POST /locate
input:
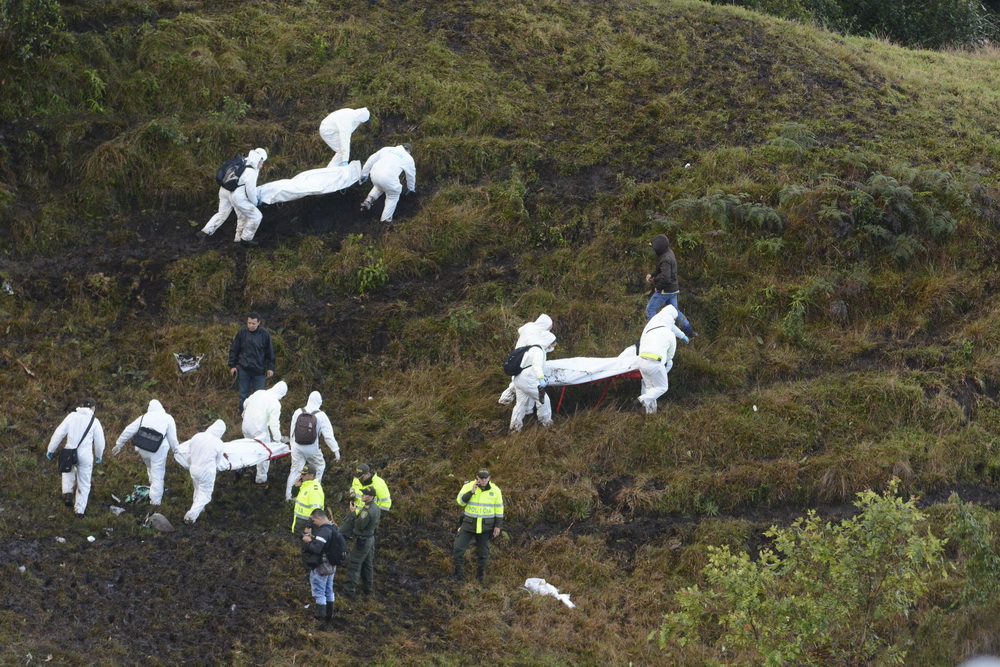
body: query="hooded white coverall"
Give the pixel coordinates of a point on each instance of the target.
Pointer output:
(527, 381)
(526, 335)
(384, 168)
(157, 419)
(205, 453)
(336, 130)
(656, 356)
(243, 199)
(309, 452)
(262, 420)
(90, 448)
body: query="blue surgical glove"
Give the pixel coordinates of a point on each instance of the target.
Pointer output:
(685, 338)
(48, 455)
(99, 459)
(412, 192)
(343, 164)
(543, 383)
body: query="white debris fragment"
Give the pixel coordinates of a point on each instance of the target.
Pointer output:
(117, 510)
(61, 540)
(21, 568)
(540, 587)
(369, 398)
(187, 362)
(91, 538)
(7, 288)
(687, 166)
(755, 408)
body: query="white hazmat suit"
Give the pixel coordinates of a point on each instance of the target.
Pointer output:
(527, 382)
(243, 199)
(385, 167)
(309, 452)
(89, 448)
(157, 419)
(656, 356)
(527, 334)
(336, 130)
(262, 420)
(205, 452)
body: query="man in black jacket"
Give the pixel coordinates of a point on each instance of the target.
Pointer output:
(313, 557)
(664, 283)
(251, 356)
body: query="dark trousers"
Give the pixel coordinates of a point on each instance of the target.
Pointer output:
(361, 565)
(462, 541)
(249, 383)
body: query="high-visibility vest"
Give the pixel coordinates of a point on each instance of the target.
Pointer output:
(382, 497)
(310, 497)
(485, 505)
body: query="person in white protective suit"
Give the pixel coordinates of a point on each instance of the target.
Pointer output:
(385, 167)
(244, 199)
(656, 356)
(529, 382)
(336, 130)
(84, 433)
(157, 419)
(262, 420)
(205, 453)
(527, 333)
(309, 452)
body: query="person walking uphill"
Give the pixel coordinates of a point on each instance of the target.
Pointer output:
(149, 433)
(481, 522)
(385, 166)
(361, 523)
(251, 357)
(664, 283)
(308, 424)
(243, 198)
(205, 453)
(310, 498)
(84, 447)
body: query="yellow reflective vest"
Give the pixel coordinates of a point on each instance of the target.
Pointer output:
(484, 510)
(382, 497)
(310, 497)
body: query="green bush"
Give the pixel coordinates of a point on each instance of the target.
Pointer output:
(28, 27)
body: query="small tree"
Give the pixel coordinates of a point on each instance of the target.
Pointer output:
(827, 594)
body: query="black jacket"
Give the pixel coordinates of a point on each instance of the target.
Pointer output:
(252, 351)
(665, 274)
(312, 552)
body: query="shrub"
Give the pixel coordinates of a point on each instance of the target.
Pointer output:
(27, 27)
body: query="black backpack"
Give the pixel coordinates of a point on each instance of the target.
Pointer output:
(305, 428)
(229, 173)
(336, 548)
(512, 366)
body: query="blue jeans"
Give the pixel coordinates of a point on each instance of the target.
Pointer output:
(322, 587)
(247, 383)
(660, 300)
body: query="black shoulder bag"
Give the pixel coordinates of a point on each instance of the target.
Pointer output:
(147, 438)
(68, 457)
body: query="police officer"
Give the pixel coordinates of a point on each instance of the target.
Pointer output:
(483, 505)
(361, 522)
(363, 476)
(310, 498)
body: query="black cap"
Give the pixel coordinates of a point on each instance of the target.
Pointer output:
(483, 472)
(368, 491)
(308, 469)
(362, 469)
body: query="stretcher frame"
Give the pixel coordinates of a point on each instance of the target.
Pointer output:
(608, 381)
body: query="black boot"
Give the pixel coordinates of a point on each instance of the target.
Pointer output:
(329, 611)
(68, 499)
(481, 574)
(321, 612)
(458, 576)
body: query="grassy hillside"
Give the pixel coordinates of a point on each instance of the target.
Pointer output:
(833, 204)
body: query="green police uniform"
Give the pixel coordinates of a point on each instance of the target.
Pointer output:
(483, 513)
(361, 524)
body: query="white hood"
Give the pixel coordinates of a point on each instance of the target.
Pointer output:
(664, 318)
(314, 402)
(155, 406)
(361, 116)
(218, 429)
(544, 322)
(547, 340)
(255, 156)
(279, 390)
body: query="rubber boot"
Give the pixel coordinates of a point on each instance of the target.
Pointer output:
(458, 576)
(481, 574)
(321, 612)
(329, 611)
(68, 499)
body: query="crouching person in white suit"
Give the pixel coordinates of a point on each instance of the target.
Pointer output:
(336, 130)
(156, 424)
(204, 456)
(262, 420)
(656, 356)
(309, 452)
(530, 380)
(385, 167)
(84, 434)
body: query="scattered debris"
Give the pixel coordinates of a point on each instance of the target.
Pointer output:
(187, 362)
(117, 499)
(21, 568)
(117, 510)
(140, 493)
(61, 540)
(159, 522)
(540, 587)
(26, 369)
(7, 287)
(91, 538)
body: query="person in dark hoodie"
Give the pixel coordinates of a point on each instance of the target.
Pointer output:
(251, 357)
(664, 283)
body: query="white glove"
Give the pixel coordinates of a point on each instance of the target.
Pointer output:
(117, 449)
(336, 455)
(285, 439)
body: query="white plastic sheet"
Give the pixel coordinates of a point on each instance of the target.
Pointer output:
(541, 587)
(309, 183)
(242, 453)
(581, 370)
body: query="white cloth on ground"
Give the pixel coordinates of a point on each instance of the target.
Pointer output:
(309, 183)
(541, 587)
